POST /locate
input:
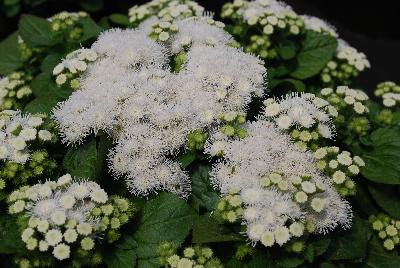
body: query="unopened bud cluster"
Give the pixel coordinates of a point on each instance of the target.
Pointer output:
(163, 30)
(351, 105)
(388, 229)
(261, 45)
(346, 65)
(196, 140)
(72, 66)
(270, 17)
(67, 25)
(67, 217)
(192, 257)
(230, 207)
(389, 92)
(14, 91)
(340, 167)
(165, 9)
(233, 124)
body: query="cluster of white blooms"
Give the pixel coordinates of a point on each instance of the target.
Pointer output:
(318, 25)
(352, 56)
(13, 90)
(72, 66)
(131, 93)
(281, 189)
(348, 62)
(68, 23)
(165, 9)
(390, 93)
(60, 214)
(17, 131)
(346, 98)
(340, 167)
(301, 111)
(271, 15)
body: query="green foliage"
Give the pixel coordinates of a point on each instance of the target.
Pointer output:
(317, 50)
(87, 160)
(36, 31)
(382, 156)
(10, 59)
(164, 218)
(202, 192)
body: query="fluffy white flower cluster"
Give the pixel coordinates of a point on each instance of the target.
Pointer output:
(278, 184)
(346, 98)
(301, 111)
(13, 89)
(131, 93)
(17, 131)
(59, 214)
(352, 56)
(165, 9)
(318, 25)
(271, 15)
(390, 93)
(340, 167)
(74, 64)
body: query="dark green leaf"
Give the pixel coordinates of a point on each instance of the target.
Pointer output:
(10, 236)
(318, 49)
(87, 160)
(92, 5)
(50, 62)
(90, 29)
(316, 247)
(164, 218)
(382, 161)
(202, 191)
(36, 31)
(287, 50)
(187, 158)
(288, 84)
(290, 261)
(10, 59)
(41, 105)
(207, 230)
(350, 244)
(387, 197)
(120, 19)
(123, 254)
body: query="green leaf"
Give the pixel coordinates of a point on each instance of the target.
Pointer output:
(316, 247)
(88, 159)
(287, 50)
(350, 244)
(207, 230)
(387, 197)
(10, 59)
(123, 254)
(187, 158)
(378, 257)
(92, 5)
(90, 29)
(36, 31)
(50, 62)
(382, 161)
(164, 218)
(202, 191)
(41, 105)
(289, 261)
(10, 236)
(288, 84)
(119, 19)
(318, 49)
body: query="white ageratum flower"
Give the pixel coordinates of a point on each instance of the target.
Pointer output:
(352, 56)
(297, 191)
(161, 106)
(61, 251)
(99, 196)
(53, 237)
(70, 236)
(84, 228)
(301, 111)
(58, 217)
